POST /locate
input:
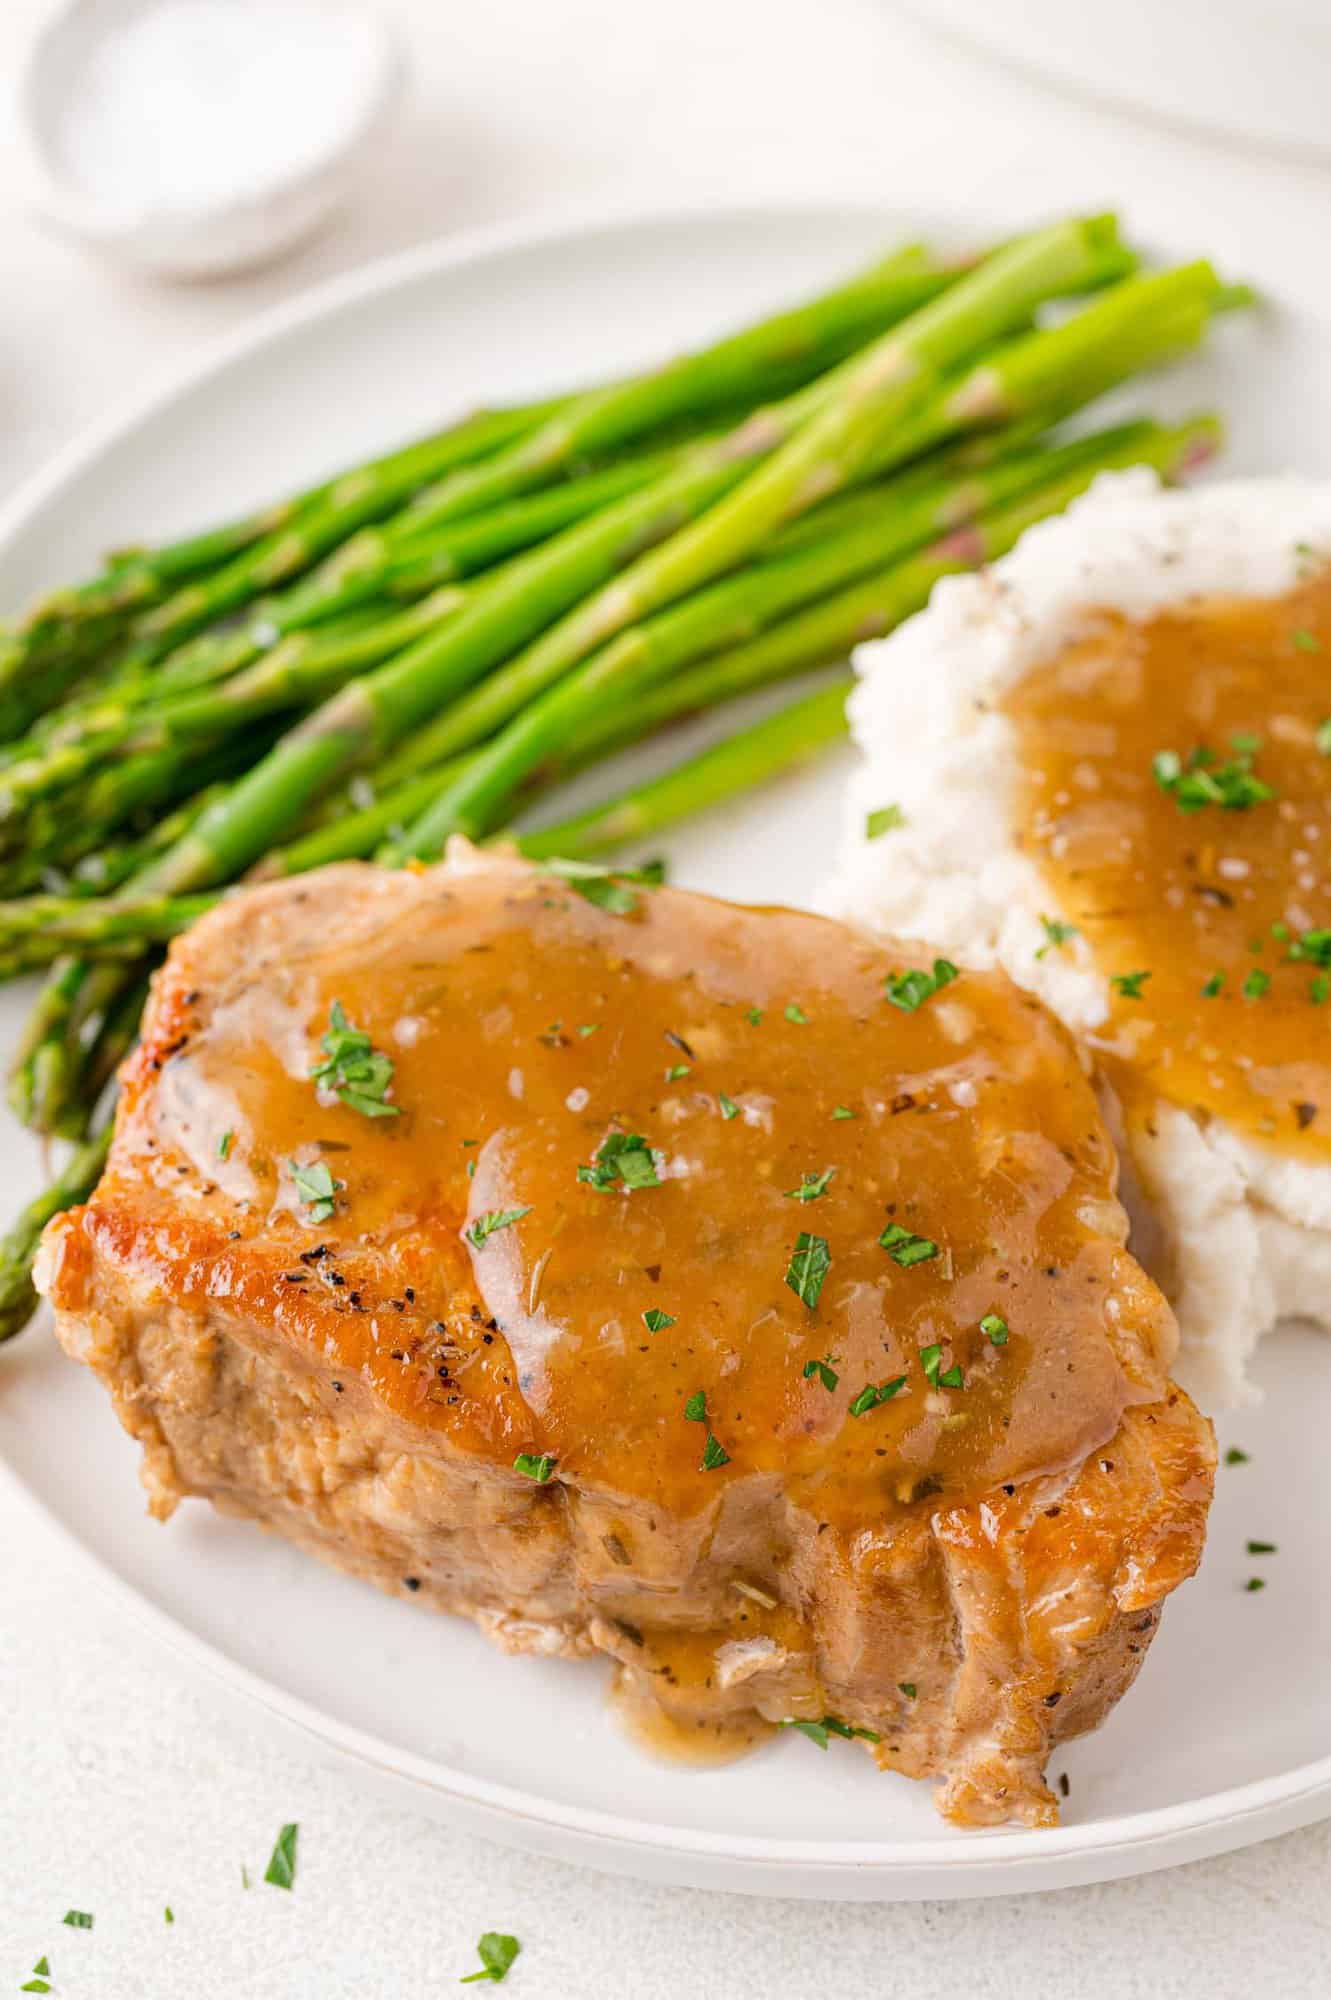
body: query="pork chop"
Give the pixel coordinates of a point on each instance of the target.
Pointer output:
(712, 1288)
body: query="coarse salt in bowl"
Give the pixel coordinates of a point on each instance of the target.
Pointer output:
(194, 137)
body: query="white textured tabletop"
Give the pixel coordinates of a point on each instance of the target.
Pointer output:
(124, 1788)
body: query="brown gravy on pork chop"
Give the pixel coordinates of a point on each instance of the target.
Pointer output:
(1176, 793)
(707, 1287)
(732, 1252)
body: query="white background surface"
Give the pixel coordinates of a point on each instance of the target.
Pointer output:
(122, 1786)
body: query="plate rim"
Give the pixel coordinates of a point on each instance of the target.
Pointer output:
(981, 1862)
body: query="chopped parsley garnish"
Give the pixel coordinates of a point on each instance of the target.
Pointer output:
(586, 1028)
(496, 1952)
(656, 1321)
(1256, 984)
(909, 990)
(1324, 737)
(1311, 947)
(479, 1232)
(830, 1725)
(78, 1920)
(43, 1967)
(1213, 986)
(729, 1108)
(794, 1012)
(224, 1145)
(281, 1869)
(354, 1069)
(843, 1111)
(909, 1689)
(1255, 1583)
(883, 821)
(676, 1071)
(1236, 1457)
(537, 1465)
(995, 1329)
(938, 1377)
(36, 1985)
(809, 1265)
(1202, 782)
(1318, 989)
(1261, 1548)
(608, 888)
(812, 1186)
(623, 1161)
(714, 1455)
(696, 1407)
(824, 1371)
(874, 1393)
(168, 1915)
(317, 1189)
(1056, 935)
(905, 1248)
(754, 1016)
(1129, 984)
(1305, 641)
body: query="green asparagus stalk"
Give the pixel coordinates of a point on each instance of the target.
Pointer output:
(644, 693)
(76, 1181)
(478, 796)
(792, 736)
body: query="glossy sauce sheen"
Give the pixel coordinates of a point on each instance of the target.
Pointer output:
(974, 1126)
(1187, 895)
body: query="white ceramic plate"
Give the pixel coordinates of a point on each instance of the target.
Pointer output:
(1225, 1740)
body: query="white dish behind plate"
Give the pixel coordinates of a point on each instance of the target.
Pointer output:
(1226, 1739)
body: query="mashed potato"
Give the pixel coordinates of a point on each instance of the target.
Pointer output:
(1239, 1231)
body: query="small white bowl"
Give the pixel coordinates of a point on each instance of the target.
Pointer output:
(119, 101)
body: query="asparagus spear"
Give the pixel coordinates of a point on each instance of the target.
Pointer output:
(791, 736)
(76, 1181)
(475, 799)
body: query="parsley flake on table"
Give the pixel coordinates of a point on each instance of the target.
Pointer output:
(905, 1248)
(810, 1262)
(714, 1455)
(657, 1321)
(1261, 1548)
(909, 990)
(281, 1869)
(316, 1188)
(1056, 935)
(496, 1952)
(874, 1393)
(622, 1161)
(1234, 1456)
(479, 1232)
(1129, 984)
(995, 1329)
(1255, 1583)
(824, 1371)
(882, 821)
(537, 1465)
(1202, 782)
(812, 1186)
(353, 1069)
